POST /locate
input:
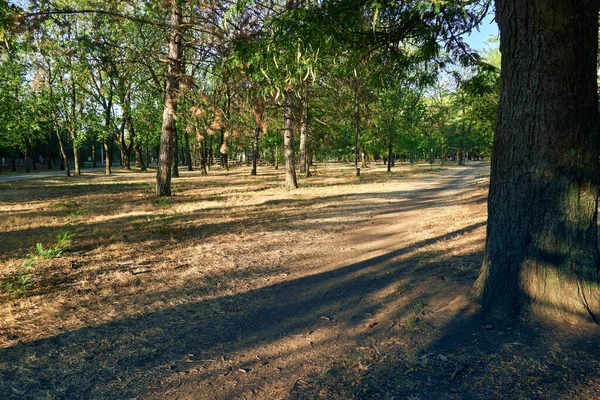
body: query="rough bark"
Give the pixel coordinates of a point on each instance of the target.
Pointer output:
(541, 250)
(288, 141)
(175, 172)
(168, 129)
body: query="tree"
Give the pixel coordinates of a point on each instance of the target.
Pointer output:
(168, 130)
(541, 249)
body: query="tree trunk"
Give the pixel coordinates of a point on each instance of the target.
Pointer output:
(390, 154)
(363, 156)
(541, 250)
(304, 125)
(255, 150)
(188, 153)
(209, 151)
(168, 129)
(356, 129)
(107, 156)
(176, 153)
(93, 148)
(288, 142)
(61, 145)
(139, 158)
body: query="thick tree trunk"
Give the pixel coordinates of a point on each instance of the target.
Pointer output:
(139, 158)
(288, 141)
(168, 130)
(541, 249)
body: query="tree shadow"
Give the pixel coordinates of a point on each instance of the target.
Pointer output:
(124, 358)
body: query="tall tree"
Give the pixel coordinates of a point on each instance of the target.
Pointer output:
(542, 243)
(168, 130)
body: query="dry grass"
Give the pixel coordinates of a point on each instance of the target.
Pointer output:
(236, 285)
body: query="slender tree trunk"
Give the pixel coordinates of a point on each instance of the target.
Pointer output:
(188, 153)
(541, 249)
(168, 130)
(288, 142)
(356, 128)
(176, 153)
(209, 151)
(13, 164)
(201, 142)
(304, 125)
(390, 152)
(255, 150)
(93, 151)
(107, 156)
(363, 156)
(61, 145)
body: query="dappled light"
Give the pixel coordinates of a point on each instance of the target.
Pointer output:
(232, 307)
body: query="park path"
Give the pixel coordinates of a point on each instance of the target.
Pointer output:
(40, 175)
(265, 343)
(338, 298)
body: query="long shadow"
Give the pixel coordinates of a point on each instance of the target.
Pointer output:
(478, 357)
(138, 229)
(124, 358)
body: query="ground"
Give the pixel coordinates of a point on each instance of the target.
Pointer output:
(238, 288)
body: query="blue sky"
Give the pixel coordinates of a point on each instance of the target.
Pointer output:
(478, 39)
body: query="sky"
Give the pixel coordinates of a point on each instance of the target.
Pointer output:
(478, 39)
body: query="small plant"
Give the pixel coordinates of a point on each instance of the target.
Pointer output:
(418, 308)
(78, 213)
(63, 242)
(402, 287)
(411, 322)
(60, 204)
(19, 283)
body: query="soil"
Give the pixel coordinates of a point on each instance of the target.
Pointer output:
(235, 288)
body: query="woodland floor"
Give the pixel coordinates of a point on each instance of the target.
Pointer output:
(237, 288)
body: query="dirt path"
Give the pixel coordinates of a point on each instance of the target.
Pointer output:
(350, 295)
(40, 175)
(342, 298)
